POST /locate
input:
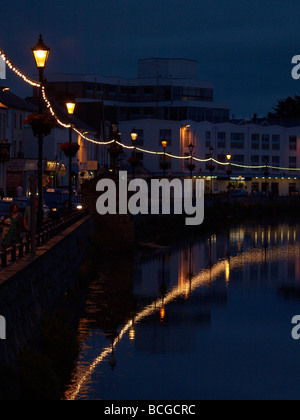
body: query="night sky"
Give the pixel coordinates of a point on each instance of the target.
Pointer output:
(245, 47)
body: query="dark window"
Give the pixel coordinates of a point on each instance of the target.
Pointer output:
(265, 142)
(276, 142)
(237, 140)
(293, 142)
(255, 141)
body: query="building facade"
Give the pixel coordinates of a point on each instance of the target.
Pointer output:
(250, 144)
(13, 110)
(165, 89)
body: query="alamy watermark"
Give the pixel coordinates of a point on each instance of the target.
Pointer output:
(158, 196)
(296, 68)
(2, 328)
(296, 329)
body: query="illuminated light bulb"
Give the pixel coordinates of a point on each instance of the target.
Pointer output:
(70, 107)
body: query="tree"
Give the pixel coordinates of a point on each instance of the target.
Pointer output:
(288, 108)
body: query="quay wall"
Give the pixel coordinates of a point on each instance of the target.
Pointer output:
(32, 288)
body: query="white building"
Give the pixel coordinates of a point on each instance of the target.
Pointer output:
(12, 113)
(254, 143)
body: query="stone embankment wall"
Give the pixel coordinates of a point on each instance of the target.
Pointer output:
(33, 287)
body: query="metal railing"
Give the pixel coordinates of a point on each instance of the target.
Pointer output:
(15, 253)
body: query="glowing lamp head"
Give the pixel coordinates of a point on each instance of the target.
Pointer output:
(41, 53)
(229, 157)
(164, 143)
(70, 107)
(134, 135)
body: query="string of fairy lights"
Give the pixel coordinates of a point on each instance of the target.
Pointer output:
(36, 84)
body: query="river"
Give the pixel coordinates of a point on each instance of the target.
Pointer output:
(207, 320)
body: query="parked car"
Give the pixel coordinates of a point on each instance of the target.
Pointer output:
(56, 199)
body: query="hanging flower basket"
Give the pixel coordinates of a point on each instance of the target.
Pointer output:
(40, 123)
(229, 172)
(211, 168)
(69, 149)
(115, 150)
(4, 153)
(164, 165)
(191, 167)
(134, 162)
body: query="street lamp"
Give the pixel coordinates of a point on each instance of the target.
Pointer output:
(41, 54)
(134, 136)
(71, 108)
(229, 171)
(211, 168)
(164, 144)
(191, 164)
(266, 174)
(115, 149)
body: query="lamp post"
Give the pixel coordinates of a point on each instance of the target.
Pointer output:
(41, 54)
(134, 136)
(191, 165)
(211, 168)
(229, 171)
(266, 174)
(115, 149)
(164, 144)
(71, 108)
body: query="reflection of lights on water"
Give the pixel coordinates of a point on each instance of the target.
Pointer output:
(227, 272)
(205, 277)
(162, 313)
(132, 334)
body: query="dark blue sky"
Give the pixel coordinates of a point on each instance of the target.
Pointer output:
(245, 47)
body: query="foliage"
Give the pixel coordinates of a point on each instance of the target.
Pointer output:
(134, 161)
(70, 149)
(46, 119)
(288, 108)
(115, 150)
(164, 165)
(191, 167)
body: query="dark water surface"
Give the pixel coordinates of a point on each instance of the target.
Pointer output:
(211, 320)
